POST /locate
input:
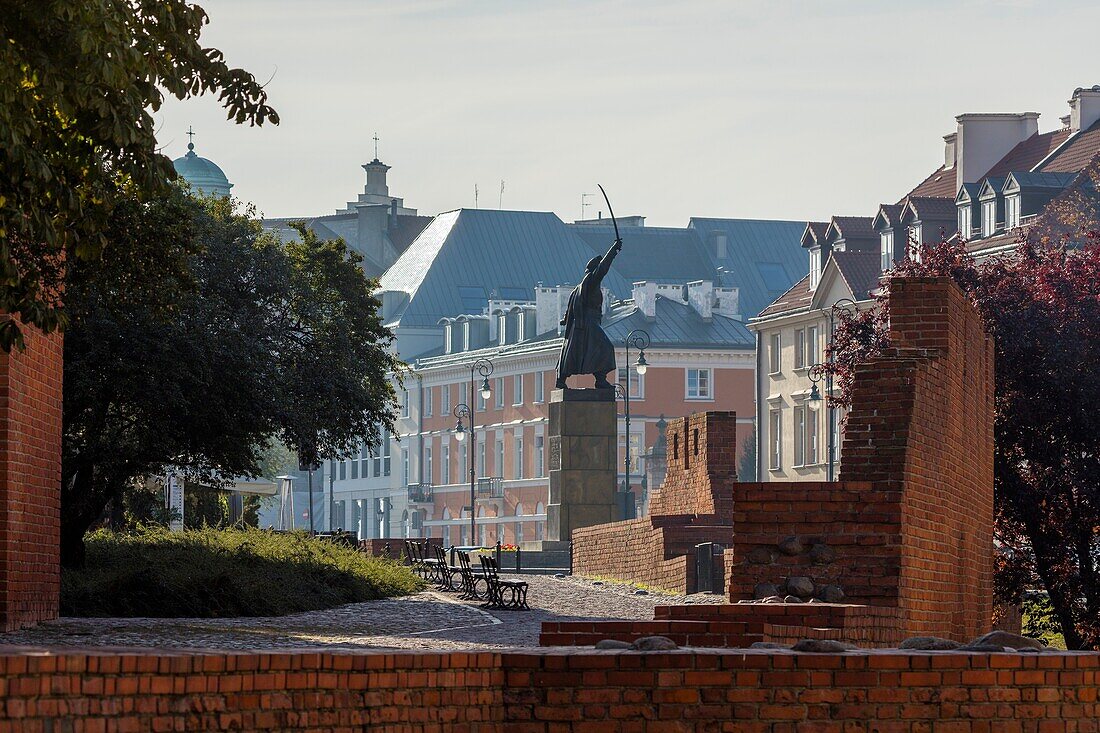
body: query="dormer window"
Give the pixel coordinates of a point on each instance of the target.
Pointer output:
(965, 221)
(815, 267)
(886, 244)
(1012, 211)
(915, 240)
(502, 329)
(989, 217)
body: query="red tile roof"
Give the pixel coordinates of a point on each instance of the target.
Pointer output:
(854, 226)
(799, 296)
(891, 213)
(932, 208)
(1028, 153)
(1077, 153)
(940, 184)
(861, 270)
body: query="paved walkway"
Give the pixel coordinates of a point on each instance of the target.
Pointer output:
(429, 620)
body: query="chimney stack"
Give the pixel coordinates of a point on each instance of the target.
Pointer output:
(983, 139)
(701, 297)
(1084, 108)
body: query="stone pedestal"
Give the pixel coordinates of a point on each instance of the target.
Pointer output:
(583, 458)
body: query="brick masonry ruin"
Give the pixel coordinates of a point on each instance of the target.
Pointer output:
(30, 481)
(904, 539)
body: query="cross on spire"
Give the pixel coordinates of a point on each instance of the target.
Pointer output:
(190, 138)
(376, 146)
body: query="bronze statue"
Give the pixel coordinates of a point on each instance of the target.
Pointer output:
(587, 350)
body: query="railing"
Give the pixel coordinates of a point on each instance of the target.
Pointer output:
(420, 493)
(490, 488)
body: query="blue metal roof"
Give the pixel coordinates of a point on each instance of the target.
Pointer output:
(678, 324)
(656, 254)
(464, 256)
(763, 258)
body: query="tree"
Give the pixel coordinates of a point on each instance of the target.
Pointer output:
(79, 82)
(1042, 307)
(207, 371)
(746, 470)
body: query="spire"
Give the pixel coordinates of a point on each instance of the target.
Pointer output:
(376, 145)
(190, 140)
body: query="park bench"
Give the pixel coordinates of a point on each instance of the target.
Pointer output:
(503, 593)
(471, 578)
(446, 573)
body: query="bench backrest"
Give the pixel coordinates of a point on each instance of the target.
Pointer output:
(490, 566)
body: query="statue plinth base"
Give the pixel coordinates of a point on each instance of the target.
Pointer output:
(583, 458)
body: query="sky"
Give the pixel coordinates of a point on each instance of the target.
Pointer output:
(762, 110)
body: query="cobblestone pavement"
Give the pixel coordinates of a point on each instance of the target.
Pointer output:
(428, 620)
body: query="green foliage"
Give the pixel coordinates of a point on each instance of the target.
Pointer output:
(746, 468)
(1041, 622)
(79, 83)
(255, 343)
(224, 573)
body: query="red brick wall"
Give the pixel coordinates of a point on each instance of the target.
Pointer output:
(30, 481)
(549, 691)
(922, 423)
(858, 524)
(702, 466)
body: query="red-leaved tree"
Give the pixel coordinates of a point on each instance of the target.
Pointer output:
(1041, 304)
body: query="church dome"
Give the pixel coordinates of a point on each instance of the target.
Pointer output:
(203, 174)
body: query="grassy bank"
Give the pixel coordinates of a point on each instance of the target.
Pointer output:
(221, 573)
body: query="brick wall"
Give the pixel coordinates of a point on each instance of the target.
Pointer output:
(548, 691)
(693, 506)
(30, 481)
(922, 424)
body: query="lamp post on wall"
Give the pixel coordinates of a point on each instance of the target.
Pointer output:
(484, 367)
(639, 339)
(821, 372)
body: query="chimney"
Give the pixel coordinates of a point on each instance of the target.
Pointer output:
(949, 150)
(701, 297)
(393, 214)
(727, 302)
(645, 298)
(1084, 108)
(376, 178)
(983, 139)
(550, 304)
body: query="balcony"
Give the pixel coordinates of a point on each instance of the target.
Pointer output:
(490, 488)
(420, 493)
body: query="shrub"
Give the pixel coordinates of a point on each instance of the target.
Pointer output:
(212, 573)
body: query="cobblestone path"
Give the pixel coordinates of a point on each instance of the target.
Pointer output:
(428, 620)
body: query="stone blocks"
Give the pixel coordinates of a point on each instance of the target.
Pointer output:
(583, 456)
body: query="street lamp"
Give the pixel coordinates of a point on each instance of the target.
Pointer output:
(822, 372)
(484, 367)
(639, 339)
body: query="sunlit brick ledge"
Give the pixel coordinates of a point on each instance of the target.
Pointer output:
(548, 690)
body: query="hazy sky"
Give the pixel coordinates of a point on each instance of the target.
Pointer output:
(735, 109)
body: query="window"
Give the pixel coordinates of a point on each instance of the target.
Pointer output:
(405, 404)
(502, 329)
(799, 436)
(343, 470)
(635, 451)
(1012, 211)
(445, 465)
(463, 464)
(800, 348)
(812, 454)
(886, 243)
(774, 276)
(426, 474)
(498, 458)
(517, 389)
(989, 218)
(815, 267)
(354, 468)
(811, 346)
(364, 457)
(472, 297)
(836, 435)
(775, 439)
(480, 400)
(445, 400)
(540, 387)
(405, 466)
(965, 221)
(481, 457)
(774, 362)
(428, 394)
(385, 453)
(698, 384)
(540, 458)
(517, 451)
(915, 238)
(499, 390)
(509, 293)
(637, 386)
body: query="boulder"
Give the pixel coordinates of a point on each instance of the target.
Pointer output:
(928, 643)
(764, 590)
(613, 644)
(827, 646)
(1004, 638)
(760, 556)
(641, 592)
(972, 647)
(832, 594)
(799, 585)
(790, 546)
(773, 599)
(768, 645)
(654, 644)
(822, 554)
(792, 599)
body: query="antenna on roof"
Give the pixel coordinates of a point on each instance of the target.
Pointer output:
(475, 195)
(500, 201)
(584, 203)
(376, 145)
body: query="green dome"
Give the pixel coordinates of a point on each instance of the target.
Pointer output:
(204, 175)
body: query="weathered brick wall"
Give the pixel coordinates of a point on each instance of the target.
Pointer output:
(693, 506)
(547, 691)
(848, 536)
(922, 423)
(30, 481)
(702, 466)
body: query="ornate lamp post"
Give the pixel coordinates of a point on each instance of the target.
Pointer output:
(819, 372)
(639, 339)
(484, 367)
